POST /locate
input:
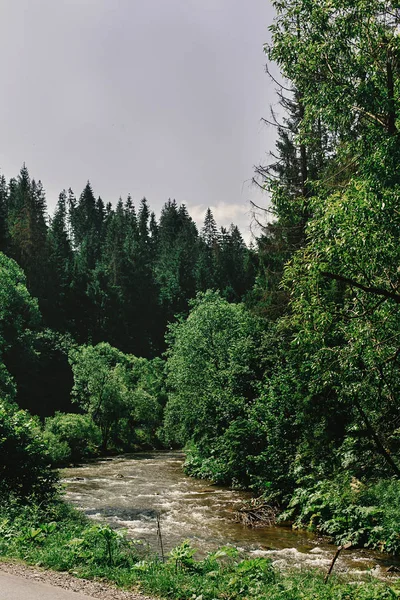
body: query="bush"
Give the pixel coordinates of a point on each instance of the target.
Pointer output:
(60, 537)
(71, 437)
(348, 511)
(24, 461)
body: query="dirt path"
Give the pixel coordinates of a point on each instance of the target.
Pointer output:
(21, 582)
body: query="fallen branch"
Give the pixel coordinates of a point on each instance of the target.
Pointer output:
(256, 514)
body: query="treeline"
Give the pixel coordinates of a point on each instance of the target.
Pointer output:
(117, 274)
(107, 274)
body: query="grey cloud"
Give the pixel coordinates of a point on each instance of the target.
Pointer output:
(161, 98)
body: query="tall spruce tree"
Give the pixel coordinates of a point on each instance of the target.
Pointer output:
(289, 177)
(4, 235)
(28, 233)
(60, 264)
(208, 246)
(174, 268)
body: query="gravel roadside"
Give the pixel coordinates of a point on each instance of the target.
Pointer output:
(95, 589)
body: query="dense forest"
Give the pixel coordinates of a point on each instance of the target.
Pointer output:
(276, 367)
(103, 274)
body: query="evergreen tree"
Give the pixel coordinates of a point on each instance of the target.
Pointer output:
(289, 177)
(209, 231)
(175, 265)
(86, 228)
(28, 232)
(143, 223)
(234, 265)
(60, 261)
(4, 236)
(113, 252)
(141, 293)
(208, 246)
(85, 232)
(105, 274)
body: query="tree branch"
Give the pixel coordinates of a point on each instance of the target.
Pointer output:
(369, 115)
(278, 83)
(276, 124)
(368, 289)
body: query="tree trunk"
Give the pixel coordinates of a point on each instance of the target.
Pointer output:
(391, 118)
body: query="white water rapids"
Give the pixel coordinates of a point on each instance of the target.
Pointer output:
(129, 491)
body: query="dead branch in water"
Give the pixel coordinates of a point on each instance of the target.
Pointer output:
(256, 514)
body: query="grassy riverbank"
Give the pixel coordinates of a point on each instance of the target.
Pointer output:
(62, 539)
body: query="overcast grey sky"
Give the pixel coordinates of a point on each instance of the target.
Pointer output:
(157, 98)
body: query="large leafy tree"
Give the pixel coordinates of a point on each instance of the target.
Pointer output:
(212, 368)
(101, 384)
(120, 392)
(19, 316)
(342, 57)
(345, 300)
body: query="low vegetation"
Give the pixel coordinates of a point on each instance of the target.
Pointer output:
(347, 510)
(60, 538)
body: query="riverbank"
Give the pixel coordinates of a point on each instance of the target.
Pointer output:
(131, 491)
(63, 540)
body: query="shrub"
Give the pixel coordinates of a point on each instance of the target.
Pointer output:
(349, 511)
(71, 437)
(24, 460)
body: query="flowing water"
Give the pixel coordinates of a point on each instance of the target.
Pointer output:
(130, 491)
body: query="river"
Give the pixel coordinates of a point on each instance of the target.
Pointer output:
(129, 491)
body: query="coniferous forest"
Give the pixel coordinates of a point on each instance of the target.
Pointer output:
(104, 274)
(276, 367)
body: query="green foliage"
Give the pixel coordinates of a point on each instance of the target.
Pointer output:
(59, 537)
(284, 406)
(176, 256)
(104, 273)
(24, 461)
(348, 511)
(183, 557)
(101, 384)
(342, 57)
(19, 315)
(212, 369)
(71, 437)
(27, 227)
(328, 400)
(122, 394)
(18, 310)
(139, 428)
